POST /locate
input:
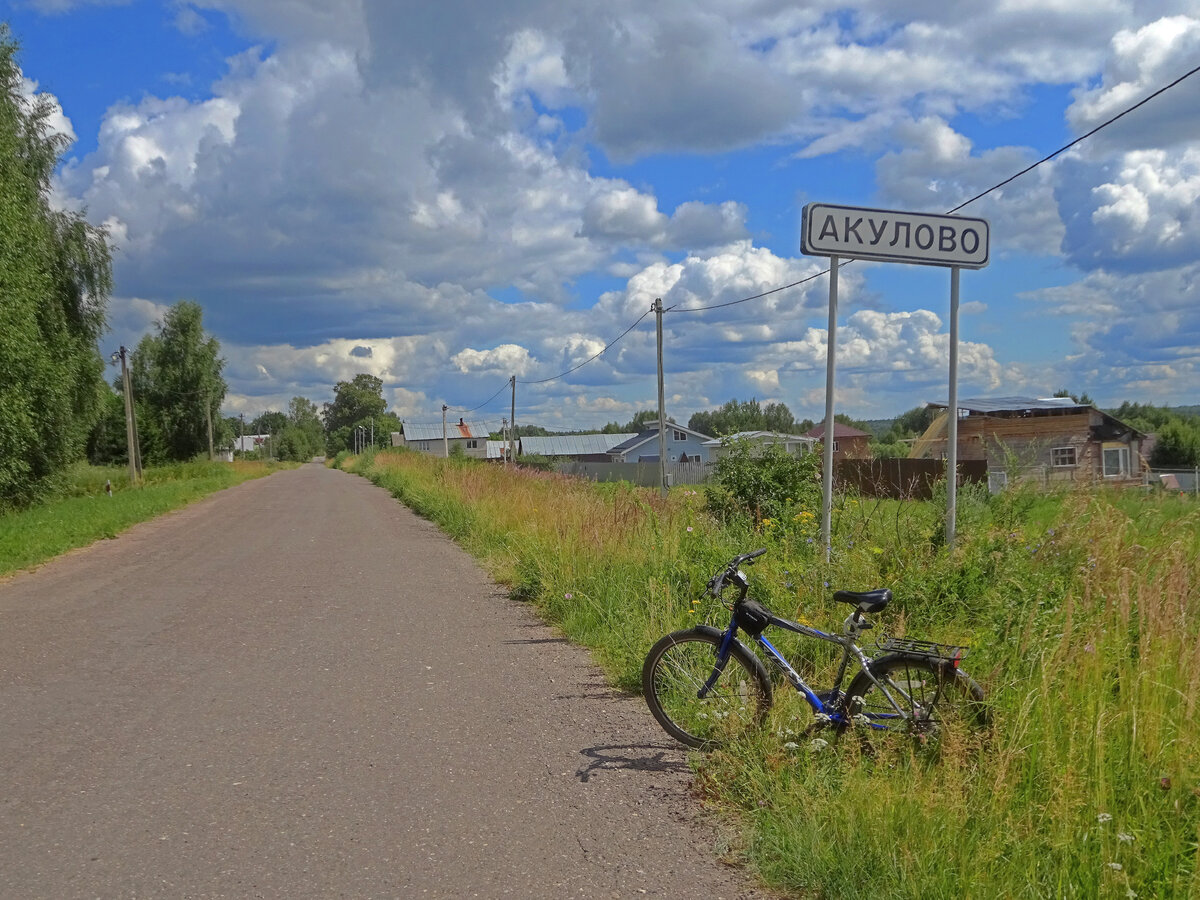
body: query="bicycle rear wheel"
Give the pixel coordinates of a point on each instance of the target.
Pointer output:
(675, 672)
(935, 696)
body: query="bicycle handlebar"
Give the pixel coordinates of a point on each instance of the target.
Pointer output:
(716, 584)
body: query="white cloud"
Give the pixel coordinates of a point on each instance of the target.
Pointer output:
(507, 359)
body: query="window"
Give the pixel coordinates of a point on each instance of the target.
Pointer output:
(678, 435)
(1116, 461)
(1062, 456)
(835, 447)
(471, 445)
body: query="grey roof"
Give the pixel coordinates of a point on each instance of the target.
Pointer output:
(426, 431)
(634, 441)
(1014, 404)
(759, 436)
(572, 444)
(495, 449)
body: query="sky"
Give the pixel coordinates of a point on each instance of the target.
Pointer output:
(446, 195)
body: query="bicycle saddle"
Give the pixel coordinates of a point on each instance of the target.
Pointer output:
(866, 601)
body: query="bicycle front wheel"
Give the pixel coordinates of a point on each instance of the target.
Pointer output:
(674, 676)
(932, 695)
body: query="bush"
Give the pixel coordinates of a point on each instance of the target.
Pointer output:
(762, 482)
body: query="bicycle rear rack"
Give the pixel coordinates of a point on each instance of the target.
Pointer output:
(916, 647)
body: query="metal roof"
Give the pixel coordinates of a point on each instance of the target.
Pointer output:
(572, 444)
(1014, 404)
(425, 431)
(759, 436)
(495, 449)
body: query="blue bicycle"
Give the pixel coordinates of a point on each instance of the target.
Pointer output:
(706, 687)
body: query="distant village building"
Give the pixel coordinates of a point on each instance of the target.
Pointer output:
(792, 444)
(683, 445)
(1055, 438)
(470, 437)
(848, 443)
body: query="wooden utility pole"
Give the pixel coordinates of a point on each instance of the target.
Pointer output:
(662, 408)
(130, 440)
(513, 437)
(445, 440)
(208, 421)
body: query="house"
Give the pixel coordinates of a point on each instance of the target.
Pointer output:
(1055, 439)
(471, 437)
(793, 444)
(577, 447)
(848, 443)
(683, 445)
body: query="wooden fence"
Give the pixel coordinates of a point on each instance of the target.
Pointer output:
(909, 479)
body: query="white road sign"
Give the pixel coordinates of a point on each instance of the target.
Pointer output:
(854, 232)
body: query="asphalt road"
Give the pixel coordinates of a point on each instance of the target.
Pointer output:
(297, 688)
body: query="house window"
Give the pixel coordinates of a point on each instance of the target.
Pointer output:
(1062, 456)
(471, 445)
(835, 447)
(678, 435)
(1116, 461)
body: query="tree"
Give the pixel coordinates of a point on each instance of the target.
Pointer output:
(55, 279)
(355, 402)
(1178, 445)
(744, 415)
(1082, 399)
(178, 386)
(270, 422)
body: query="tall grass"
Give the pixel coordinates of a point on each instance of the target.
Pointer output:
(1086, 631)
(83, 512)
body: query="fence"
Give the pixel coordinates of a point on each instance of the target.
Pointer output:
(643, 474)
(908, 479)
(899, 478)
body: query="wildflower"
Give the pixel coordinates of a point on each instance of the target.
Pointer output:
(1124, 837)
(818, 744)
(1115, 866)
(568, 596)
(689, 528)
(1130, 892)
(1103, 817)
(791, 745)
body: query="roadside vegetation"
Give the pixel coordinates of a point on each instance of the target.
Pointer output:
(83, 512)
(1082, 613)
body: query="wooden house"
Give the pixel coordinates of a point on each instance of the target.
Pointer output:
(848, 443)
(1054, 440)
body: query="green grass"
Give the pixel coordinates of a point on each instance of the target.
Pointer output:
(84, 513)
(1085, 625)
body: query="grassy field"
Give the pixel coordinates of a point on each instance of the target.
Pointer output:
(84, 513)
(1082, 613)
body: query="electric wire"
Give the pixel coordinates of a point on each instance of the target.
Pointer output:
(593, 356)
(825, 271)
(483, 404)
(965, 203)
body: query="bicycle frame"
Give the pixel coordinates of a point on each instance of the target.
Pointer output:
(834, 711)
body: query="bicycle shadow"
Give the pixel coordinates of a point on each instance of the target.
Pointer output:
(661, 758)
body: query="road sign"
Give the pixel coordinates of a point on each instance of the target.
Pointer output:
(888, 235)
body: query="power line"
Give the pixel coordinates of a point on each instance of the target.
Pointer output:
(594, 356)
(484, 403)
(965, 203)
(1077, 140)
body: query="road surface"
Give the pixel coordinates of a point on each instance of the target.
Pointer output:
(297, 688)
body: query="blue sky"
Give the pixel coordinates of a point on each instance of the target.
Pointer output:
(446, 195)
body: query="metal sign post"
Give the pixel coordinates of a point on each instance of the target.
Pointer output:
(883, 235)
(830, 366)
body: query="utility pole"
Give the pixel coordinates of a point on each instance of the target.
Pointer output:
(372, 431)
(445, 440)
(662, 411)
(513, 437)
(242, 436)
(208, 421)
(504, 439)
(130, 442)
(830, 424)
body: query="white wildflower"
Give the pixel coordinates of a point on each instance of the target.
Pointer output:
(818, 745)
(1116, 867)
(1103, 817)
(791, 745)
(1124, 837)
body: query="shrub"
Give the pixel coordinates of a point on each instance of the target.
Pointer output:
(762, 482)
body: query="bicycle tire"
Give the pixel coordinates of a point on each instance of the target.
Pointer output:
(678, 666)
(933, 693)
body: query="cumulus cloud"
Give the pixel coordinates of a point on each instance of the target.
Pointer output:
(508, 359)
